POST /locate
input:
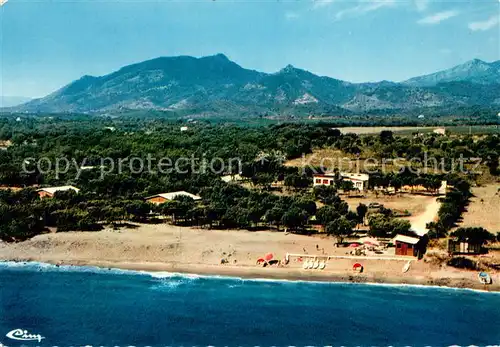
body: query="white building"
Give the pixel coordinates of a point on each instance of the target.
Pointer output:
(439, 131)
(232, 178)
(360, 181)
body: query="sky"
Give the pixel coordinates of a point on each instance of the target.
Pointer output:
(46, 44)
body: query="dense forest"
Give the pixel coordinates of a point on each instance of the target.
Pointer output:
(274, 196)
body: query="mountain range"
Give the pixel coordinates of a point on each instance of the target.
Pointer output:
(215, 85)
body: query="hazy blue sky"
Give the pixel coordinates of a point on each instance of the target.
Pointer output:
(46, 44)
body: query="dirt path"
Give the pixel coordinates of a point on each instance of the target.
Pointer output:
(419, 222)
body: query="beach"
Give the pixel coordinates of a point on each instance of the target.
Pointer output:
(163, 247)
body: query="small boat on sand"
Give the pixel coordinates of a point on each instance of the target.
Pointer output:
(484, 278)
(407, 266)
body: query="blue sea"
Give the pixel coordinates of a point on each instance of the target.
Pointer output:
(70, 306)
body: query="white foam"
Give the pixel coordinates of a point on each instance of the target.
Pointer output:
(191, 276)
(70, 268)
(164, 274)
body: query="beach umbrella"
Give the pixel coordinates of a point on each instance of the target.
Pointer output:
(261, 260)
(268, 256)
(354, 245)
(357, 267)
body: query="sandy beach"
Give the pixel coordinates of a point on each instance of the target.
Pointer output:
(164, 247)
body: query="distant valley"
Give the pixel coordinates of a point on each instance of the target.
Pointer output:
(215, 85)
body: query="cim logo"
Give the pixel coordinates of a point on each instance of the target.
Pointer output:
(24, 335)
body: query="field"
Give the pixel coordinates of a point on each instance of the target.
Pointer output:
(325, 156)
(475, 130)
(460, 129)
(331, 159)
(415, 204)
(377, 130)
(483, 210)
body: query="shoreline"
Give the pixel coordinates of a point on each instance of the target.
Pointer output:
(166, 248)
(263, 274)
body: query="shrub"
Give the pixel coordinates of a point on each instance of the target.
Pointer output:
(462, 263)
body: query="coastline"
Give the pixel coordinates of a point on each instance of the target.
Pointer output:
(263, 274)
(172, 249)
(85, 299)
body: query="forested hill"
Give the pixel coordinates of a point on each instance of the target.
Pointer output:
(215, 85)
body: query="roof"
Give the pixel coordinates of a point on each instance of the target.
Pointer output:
(173, 195)
(5, 144)
(231, 178)
(406, 239)
(355, 176)
(52, 190)
(332, 175)
(352, 176)
(91, 167)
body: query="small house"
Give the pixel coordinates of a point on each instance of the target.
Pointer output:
(232, 178)
(439, 131)
(406, 245)
(164, 197)
(50, 191)
(456, 246)
(324, 179)
(359, 180)
(5, 144)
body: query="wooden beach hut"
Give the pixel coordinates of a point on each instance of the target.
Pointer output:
(406, 245)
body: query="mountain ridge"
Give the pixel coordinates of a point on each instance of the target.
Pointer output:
(475, 70)
(216, 85)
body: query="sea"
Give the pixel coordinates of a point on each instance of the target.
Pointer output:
(86, 306)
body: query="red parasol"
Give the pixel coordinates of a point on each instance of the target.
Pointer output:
(354, 245)
(268, 256)
(261, 260)
(357, 267)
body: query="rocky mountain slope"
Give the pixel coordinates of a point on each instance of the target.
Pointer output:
(216, 85)
(474, 71)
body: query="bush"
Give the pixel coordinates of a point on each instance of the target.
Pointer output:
(462, 263)
(473, 234)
